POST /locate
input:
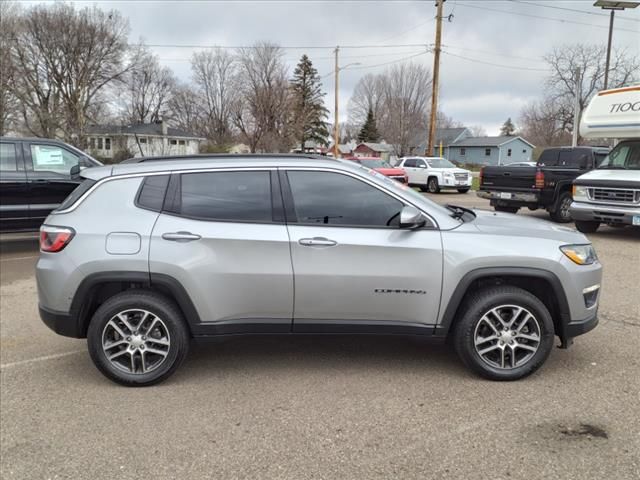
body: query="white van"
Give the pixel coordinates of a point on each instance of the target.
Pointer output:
(610, 194)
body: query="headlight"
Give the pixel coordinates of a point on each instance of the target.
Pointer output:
(580, 192)
(448, 175)
(580, 254)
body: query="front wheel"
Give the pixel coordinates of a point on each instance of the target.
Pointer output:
(505, 333)
(433, 186)
(587, 226)
(463, 190)
(137, 338)
(560, 212)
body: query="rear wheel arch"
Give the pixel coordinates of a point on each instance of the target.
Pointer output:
(99, 287)
(543, 284)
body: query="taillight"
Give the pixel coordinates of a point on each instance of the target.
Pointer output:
(54, 239)
(539, 179)
(480, 176)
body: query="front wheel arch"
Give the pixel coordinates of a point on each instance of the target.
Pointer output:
(541, 283)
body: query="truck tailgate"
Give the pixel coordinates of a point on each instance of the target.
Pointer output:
(508, 178)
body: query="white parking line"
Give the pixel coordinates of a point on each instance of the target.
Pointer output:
(39, 359)
(18, 258)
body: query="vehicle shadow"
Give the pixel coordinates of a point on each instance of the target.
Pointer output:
(304, 353)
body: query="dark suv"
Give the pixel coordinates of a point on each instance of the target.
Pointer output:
(35, 177)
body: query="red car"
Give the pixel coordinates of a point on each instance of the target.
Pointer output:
(382, 167)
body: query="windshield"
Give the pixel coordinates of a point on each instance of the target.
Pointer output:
(625, 156)
(374, 163)
(440, 163)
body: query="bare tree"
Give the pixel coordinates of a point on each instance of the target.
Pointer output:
(64, 58)
(478, 131)
(574, 67)
(215, 77)
(444, 121)
(148, 87)
(9, 106)
(542, 126)
(261, 110)
(367, 95)
(185, 111)
(406, 95)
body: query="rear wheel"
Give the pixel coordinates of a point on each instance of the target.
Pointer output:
(505, 333)
(137, 338)
(500, 208)
(587, 226)
(560, 212)
(433, 186)
(463, 190)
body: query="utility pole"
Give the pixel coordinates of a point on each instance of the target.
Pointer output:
(606, 68)
(576, 107)
(336, 150)
(436, 77)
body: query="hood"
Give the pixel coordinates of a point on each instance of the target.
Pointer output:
(450, 170)
(615, 175)
(390, 171)
(513, 225)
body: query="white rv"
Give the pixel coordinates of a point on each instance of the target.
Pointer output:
(610, 194)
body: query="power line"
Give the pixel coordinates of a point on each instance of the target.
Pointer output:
(308, 47)
(486, 52)
(407, 31)
(544, 18)
(497, 64)
(555, 7)
(364, 67)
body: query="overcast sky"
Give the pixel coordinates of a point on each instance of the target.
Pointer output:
(499, 32)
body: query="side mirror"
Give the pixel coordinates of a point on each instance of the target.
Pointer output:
(411, 218)
(74, 173)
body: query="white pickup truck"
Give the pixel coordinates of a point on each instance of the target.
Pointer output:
(610, 193)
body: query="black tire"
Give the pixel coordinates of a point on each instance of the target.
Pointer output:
(473, 310)
(499, 208)
(586, 226)
(433, 186)
(161, 308)
(560, 212)
(463, 190)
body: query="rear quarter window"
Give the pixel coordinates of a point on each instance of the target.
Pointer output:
(76, 194)
(152, 192)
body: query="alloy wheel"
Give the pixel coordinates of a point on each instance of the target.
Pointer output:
(507, 337)
(136, 341)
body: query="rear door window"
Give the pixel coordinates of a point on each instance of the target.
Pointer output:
(227, 196)
(8, 157)
(409, 162)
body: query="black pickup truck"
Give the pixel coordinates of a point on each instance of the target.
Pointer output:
(35, 177)
(547, 185)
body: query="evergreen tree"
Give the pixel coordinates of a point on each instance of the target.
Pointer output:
(309, 112)
(369, 132)
(508, 128)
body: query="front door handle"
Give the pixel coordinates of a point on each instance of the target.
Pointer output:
(317, 242)
(181, 236)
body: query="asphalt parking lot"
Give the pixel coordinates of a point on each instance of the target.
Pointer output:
(323, 407)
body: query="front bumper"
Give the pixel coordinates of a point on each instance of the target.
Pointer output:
(570, 330)
(595, 212)
(448, 182)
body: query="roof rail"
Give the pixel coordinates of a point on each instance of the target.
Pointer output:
(213, 156)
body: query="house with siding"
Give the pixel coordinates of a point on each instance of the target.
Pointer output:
(500, 150)
(140, 140)
(444, 136)
(379, 150)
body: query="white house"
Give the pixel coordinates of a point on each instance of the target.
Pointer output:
(140, 140)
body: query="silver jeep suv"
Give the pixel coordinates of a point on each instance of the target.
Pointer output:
(144, 256)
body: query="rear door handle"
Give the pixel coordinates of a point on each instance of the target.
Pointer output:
(317, 242)
(181, 236)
